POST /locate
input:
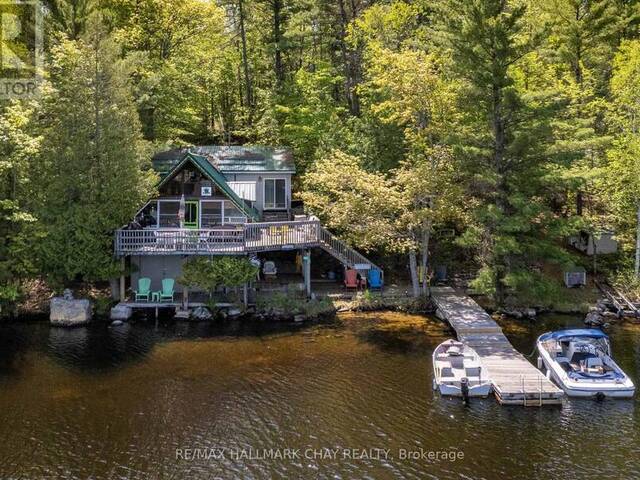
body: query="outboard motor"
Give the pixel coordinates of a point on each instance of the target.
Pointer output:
(464, 389)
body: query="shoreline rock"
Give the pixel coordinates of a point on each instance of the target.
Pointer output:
(66, 311)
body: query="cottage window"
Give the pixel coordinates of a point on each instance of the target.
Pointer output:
(233, 214)
(275, 193)
(168, 214)
(211, 214)
(148, 216)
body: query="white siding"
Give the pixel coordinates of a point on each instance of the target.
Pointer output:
(245, 190)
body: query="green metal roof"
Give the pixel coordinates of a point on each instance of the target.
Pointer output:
(231, 159)
(213, 174)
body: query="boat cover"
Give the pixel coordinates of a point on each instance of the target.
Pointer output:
(574, 332)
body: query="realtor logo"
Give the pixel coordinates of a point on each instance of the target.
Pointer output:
(20, 48)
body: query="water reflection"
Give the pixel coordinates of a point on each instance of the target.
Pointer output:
(104, 402)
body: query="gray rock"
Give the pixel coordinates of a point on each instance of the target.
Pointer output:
(201, 314)
(67, 294)
(117, 323)
(594, 319)
(299, 318)
(530, 313)
(121, 312)
(69, 313)
(234, 312)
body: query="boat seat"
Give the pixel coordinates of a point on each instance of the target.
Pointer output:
(472, 371)
(447, 372)
(456, 362)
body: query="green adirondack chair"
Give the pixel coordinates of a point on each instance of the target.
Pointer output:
(144, 289)
(166, 294)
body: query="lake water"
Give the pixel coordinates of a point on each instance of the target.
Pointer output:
(340, 400)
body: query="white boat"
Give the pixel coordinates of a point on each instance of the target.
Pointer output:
(579, 361)
(458, 371)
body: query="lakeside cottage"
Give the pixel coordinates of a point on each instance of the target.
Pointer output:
(222, 200)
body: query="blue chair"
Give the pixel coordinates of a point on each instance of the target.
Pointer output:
(374, 277)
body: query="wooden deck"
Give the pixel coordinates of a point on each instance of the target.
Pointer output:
(243, 239)
(515, 380)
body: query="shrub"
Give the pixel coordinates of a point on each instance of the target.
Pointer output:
(208, 274)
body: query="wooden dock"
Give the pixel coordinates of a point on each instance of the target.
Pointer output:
(515, 380)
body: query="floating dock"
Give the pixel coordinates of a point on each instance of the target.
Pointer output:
(515, 380)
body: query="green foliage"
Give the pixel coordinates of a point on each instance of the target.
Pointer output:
(363, 206)
(102, 305)
(19, 229)
(91, 152)
(287, 304)
(489, 119)
(210, 273)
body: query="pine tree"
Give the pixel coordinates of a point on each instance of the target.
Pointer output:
(514, 228)
(91, 178)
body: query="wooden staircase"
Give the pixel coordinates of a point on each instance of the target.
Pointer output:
(343, 252)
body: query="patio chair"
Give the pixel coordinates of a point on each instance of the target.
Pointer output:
(374, 277)
(351, 279)
(144, 289)
(269, 270)
(166, 294)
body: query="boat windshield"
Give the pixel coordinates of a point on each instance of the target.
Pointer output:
(591, 345)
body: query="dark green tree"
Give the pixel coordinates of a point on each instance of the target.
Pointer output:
(513, 228)
(92, 170)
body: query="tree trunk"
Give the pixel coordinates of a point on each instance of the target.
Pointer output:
(501, 189)
(426, 237)
(245, 63)
(348, 62)
(277, 39)
(413, 266)
(637, 261)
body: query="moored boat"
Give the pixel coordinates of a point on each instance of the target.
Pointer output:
(458, 371)
(579, 361)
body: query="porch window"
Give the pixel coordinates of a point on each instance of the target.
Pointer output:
(148, 216)
(211, 214)
(275, 193)
(233, 214)
(168, 214)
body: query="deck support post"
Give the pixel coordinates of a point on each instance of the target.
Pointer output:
(306, 271)
(122, 289)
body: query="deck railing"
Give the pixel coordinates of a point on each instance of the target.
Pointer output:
(281, 235)
(177, 241)
(247, 238)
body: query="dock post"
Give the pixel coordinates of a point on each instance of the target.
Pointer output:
(122, 289)
(306, 271)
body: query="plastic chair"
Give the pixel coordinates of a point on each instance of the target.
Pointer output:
(351, 279)
(144, 289)
(166, 294)
(374, 277)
